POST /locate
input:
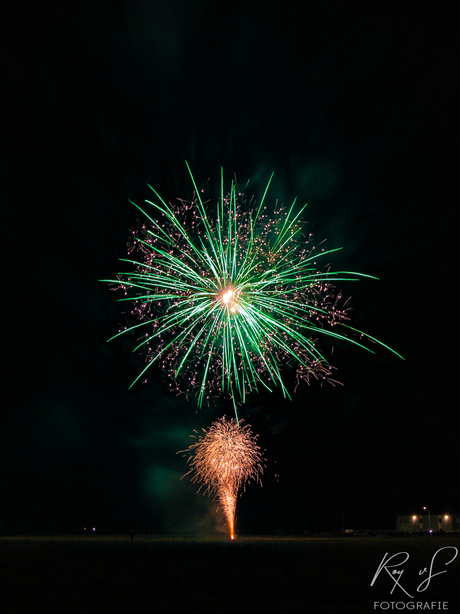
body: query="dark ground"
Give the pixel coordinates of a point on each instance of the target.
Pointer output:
(152, 574)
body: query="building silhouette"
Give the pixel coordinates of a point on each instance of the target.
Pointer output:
(413, 523)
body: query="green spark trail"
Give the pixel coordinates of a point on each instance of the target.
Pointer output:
(224, 298)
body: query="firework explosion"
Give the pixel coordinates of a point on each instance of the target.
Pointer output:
(223, 300)
(223, 460)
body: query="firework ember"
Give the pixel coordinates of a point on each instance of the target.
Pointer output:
(222, 301)
(223, 460)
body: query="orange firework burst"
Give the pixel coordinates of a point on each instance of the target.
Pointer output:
(224, 459)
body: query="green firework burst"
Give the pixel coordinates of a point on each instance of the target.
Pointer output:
(223, 300)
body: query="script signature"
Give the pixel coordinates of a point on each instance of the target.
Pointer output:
(393, 566)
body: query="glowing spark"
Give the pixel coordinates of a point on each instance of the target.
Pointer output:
(227, 296)
(223, 460)
(226, 299)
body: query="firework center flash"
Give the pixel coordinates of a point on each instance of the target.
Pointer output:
(229, 298)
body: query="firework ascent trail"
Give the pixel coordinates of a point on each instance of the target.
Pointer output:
(223, 301)
(223, 460)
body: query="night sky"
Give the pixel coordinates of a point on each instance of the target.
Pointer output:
(353, 110)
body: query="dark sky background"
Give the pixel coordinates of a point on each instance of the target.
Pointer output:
(353, 110)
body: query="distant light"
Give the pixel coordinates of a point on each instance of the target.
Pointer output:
(446, 517)
(94, 529)
(84, 528)
(431, 530)
(414, 517)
